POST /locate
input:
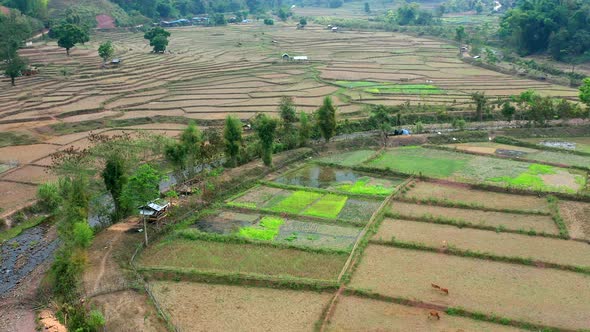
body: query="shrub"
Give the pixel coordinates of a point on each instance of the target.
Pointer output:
(48, 196)
(419, 127)
(269, 21)
(83, 234)
(95, 320)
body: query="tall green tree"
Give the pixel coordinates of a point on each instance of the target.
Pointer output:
(326, 119)
(142, 187)
(367, 8)
(232, 136)
(288, 119)
(460, 34)
(158, 38)
(14, 67)
(382, 120)
(106, 51)
(186, 154)
(508, 111)
(14, 28)
(265, 128)
(68, 35)
(114, 176)
(480, 103)
(304, 129)
(585, 92)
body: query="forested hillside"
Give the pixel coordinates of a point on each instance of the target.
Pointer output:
(560, 27)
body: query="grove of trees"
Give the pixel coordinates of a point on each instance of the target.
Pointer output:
(560, 27)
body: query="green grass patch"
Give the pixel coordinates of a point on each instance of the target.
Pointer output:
(187, 255)
(417, 160)
(351, 158)
(19, 228)
(357, 84)
(328, 206)
(296, 202)
(9, 138)
(528, 179)
(406, 89)
(362, 186)
(391, 88)
(267, 230)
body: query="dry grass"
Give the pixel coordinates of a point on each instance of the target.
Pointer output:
(358, 314)
(543, 249)
(542, 296)
(204, 307)
(511, 221)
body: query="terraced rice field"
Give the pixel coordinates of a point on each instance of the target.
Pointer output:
(564, 252)
(576, 216)
(187, 255)
(463, 194)
(543, 296)
(480, 169)
(280, 230)
(307, 203)
(360, 314)
(233, 308)
(342, 180)
(498, 256)
(212, 72)
(512, 221)
(581, 144)
(560, 158)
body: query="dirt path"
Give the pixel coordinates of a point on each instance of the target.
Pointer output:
(104, 261)
(108, 286)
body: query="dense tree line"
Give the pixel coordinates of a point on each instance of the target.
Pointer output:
(14, 29)
(560, 27)
(178, 8)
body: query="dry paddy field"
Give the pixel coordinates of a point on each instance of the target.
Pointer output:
(540, 249)
(205, 307)
(542, 296)
(511, 221)
(458, 193)
(360, 314)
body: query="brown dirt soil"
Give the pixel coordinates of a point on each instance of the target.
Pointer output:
(488, 199)
(123, 308)
(15, 195)
(358, 314)
(543, 296)
(205, 307)
(25, 154)
(30, 174)
(128, 311)
(577, 218)
(501, 244)
(488, 147)
(496, 219)
(561, 179)
(49, 323)
(105, 22)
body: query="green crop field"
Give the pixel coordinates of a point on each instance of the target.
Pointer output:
(416, 160)
(186, 254)
(479, 169)
(351, 158)
(328, 207)
(391, 88)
